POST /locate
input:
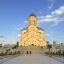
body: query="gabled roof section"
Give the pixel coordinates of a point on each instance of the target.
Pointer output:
(40, 28)
(24, 29)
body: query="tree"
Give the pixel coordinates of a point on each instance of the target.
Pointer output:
(15, 46)
(0, 45)
(63, 53)
(17, 43)
(59, 52)
(47, 42)
(10, 53)
(18, 52)
(1, 54)
(49, 46)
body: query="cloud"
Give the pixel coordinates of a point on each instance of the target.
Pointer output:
(50, 3)
(25, 21)
(50, 7)
(59, 11)
(18, 35)
(55, 17)
(40, 12)
(47, 34)
(54, 24)
(19, 28)
(50, 33)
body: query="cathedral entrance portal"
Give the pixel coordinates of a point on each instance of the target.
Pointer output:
(32, 44)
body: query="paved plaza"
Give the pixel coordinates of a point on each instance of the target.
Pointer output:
(30, 59)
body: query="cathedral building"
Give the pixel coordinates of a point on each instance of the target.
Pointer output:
(32, 35)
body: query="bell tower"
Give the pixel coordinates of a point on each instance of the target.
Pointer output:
(32, 20)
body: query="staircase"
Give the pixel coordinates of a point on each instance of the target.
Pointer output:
(33, 49)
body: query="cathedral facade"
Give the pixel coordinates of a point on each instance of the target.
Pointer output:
(32, 35)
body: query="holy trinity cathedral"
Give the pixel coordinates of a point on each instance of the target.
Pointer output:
(32, 35)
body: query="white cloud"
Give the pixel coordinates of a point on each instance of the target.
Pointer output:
(25, 21)
(50, 3)
(50, 33)
(55, 17)
(40, 16)
(48, 16)
(47, 34)
(19, 28)
(50, 6)
(54, 24)
(18, 35)
(59, 11)
(40, 12)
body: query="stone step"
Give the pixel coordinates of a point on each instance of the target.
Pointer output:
(33, 49)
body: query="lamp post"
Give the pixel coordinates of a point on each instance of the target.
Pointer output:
(5, 40)
(2, 37)
(59, 39)
(14, 37)
(60, 50)
(51, 34)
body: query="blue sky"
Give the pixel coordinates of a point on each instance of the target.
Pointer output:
(13, 15)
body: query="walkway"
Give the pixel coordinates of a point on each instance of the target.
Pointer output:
(32, 59)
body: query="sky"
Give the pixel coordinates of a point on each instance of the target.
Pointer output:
(14, 13)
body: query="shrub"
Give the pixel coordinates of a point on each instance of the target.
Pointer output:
(63, 53)
(10, 53)
(1, 54)
(18, 52)
(46, 52)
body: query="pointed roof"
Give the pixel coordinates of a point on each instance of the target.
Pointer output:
(32, 14)
(41, 28)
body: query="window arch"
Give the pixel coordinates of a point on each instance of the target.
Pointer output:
(29, 22)
(34, 22)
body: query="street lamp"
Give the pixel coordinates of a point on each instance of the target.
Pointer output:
(14, 37)
(60, 44)
(2, 37)
(51, 34)
(59, 39)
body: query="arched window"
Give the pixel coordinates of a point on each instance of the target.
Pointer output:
(29, 22)
(34, 22)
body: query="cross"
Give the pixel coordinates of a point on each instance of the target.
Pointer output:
(59, 39)
(32, 11)
(14, 37)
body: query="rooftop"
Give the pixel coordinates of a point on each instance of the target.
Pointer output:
(32, 14)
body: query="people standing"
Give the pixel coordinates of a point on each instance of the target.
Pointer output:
(30, 52)
(27, 52)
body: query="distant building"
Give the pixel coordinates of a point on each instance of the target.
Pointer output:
(9, 45)
(57, 47)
